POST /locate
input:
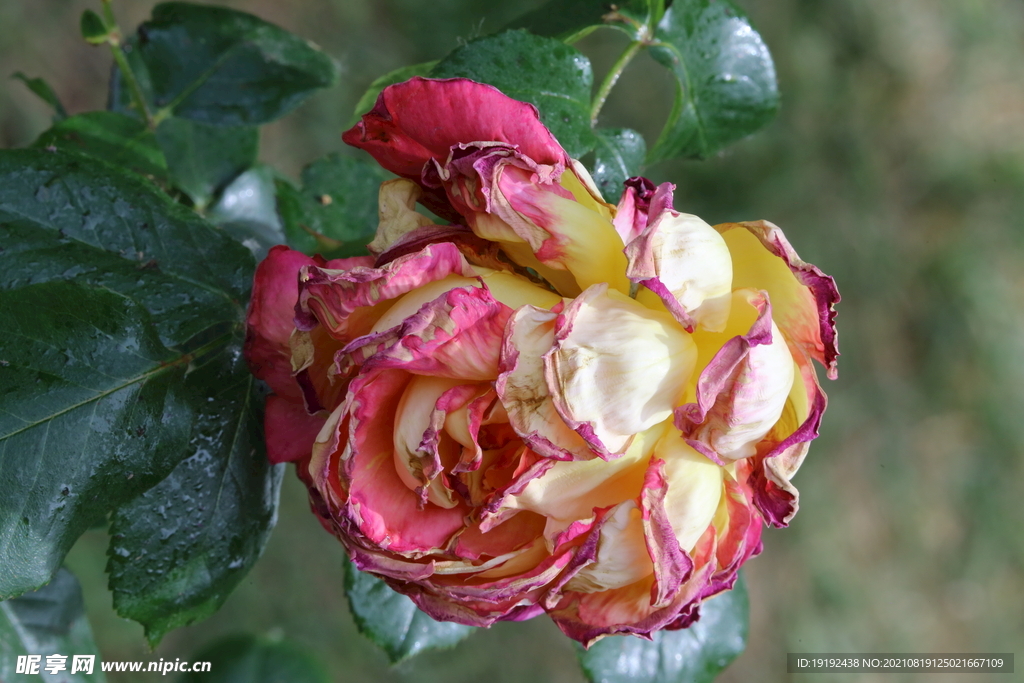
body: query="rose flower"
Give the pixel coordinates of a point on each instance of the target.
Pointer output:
(551, 404)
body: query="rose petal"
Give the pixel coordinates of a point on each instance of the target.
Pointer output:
(742, 391)
(685, 262)
(397, 213)
(523, 389)
(803, 298)
(349, 302)
(622, 556)
(540, 214)
(616, 368)
(456, 335)
(290, 430)
(572, 490)
(269, 322)
(421, 119)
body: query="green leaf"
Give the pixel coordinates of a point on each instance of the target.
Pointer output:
(726, 87)
(571, 20)
(546, 72)
(202, 159)
(248, 659)
(43, 90)
(335, 212)
(110, 292)
(392, 621)
(93, 29)
(369, 97)
(48, 621)
(619, 156)
(221, 66)
(116, 138)
(91, 415)
(178, 551)
(65, 216)
(691, 655)
(247, 210)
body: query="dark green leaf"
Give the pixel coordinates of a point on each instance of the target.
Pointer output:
(546, 72)
(691, 655)
(247, 210)
(619, 155)
(48, 621)
(91, 415)
(93, 29)
(201, 159)
(116, 138)
(369, 97)
(100, 273)
(335, 212)
(41, 88)
(68, 216)
(248, 659)
(726, 78)
(571, 20)
(178, 551)
(393, 621)
(221, 66)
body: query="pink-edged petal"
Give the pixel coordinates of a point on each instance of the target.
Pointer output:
(457, 335)
(385, 510)
(634, 206)
(421, 119)
(269, 322)
(542, 215)
(743, 390)
(588, 617)
(523, 389)
(622, 555)
(349, 302)
(786, 446)
(672, 566)
(685, 262)
(417, 456)
(290, 430)
(517, 533)
(616, 368)
(803, 297)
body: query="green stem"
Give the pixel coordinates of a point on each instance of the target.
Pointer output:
(114, 41)
(138, 99)
(611, 77)
(108, 13)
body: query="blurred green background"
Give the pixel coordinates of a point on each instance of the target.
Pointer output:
(896, 165)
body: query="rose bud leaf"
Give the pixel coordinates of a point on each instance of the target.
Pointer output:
(392, 620)
(695, 654)
(726, 86)
(335, 212)
(51, 619)
(221, 66)
(619, 155)
(545, 72)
